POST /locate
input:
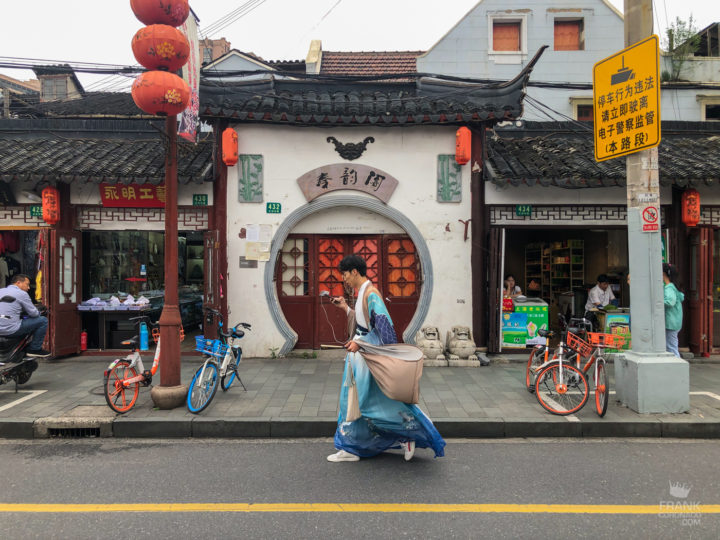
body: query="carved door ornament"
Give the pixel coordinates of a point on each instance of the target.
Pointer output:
(350, 151)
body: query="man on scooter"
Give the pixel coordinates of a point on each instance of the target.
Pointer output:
(11, 322)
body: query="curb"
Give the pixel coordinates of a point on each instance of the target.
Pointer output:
(276, 427)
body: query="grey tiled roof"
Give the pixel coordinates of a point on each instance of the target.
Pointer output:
(561, 154)
(98, 160)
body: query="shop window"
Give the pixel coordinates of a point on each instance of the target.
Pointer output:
(506, 36)
(569, 35)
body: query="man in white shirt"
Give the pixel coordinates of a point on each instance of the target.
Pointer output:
(599, 296)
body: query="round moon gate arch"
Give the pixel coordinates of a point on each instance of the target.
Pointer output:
(364, 203)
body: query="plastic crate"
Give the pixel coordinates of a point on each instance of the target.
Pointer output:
(614, 341)
(582, 347)
(211, 347)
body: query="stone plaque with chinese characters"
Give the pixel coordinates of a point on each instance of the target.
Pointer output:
(353, 176)
(132, 195)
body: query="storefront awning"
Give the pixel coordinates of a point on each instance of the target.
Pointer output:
(51, 158)
(561, 154)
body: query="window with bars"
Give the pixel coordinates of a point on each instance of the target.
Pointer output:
(585, 113)
(569, 35)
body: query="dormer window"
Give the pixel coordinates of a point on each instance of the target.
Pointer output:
(54, 88)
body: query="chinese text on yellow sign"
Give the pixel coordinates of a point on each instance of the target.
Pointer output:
(626, 101)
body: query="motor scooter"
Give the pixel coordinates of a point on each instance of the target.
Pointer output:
(14, 365)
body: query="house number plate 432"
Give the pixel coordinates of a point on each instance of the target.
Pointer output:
(273, 208)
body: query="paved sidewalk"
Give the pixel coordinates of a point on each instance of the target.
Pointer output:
(297, 397)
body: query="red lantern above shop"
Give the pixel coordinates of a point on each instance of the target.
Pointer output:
(51, 205)
(161, 93)
(229, 147)
(691, 207)
(463, 138)
(172, 12)
(160, 46)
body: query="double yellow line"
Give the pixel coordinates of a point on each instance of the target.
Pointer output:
(378, 508)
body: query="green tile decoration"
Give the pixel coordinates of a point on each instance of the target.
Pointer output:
(250, 179)
(449, 180)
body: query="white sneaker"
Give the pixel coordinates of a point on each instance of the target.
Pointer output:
(342, 455)
(409, 448)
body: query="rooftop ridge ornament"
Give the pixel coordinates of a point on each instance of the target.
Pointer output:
(350, 151)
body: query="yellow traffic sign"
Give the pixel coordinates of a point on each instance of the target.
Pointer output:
(626, 100)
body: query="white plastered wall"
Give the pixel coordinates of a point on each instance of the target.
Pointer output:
(409, 155)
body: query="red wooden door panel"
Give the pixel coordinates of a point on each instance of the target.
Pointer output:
(700, 293)
(293, 278)
(403, 280)
(330, 322)
(64, 284)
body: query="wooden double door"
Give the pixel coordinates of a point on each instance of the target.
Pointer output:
(308, 265)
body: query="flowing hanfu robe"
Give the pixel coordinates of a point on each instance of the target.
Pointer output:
(384, 422)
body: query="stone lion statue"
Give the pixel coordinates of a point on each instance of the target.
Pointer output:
(428, 340)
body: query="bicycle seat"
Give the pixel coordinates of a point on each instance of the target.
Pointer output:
(546, 333)
(132, 341)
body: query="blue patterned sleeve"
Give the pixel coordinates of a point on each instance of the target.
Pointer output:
(380, 320)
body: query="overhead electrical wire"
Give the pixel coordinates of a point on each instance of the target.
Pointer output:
(230, 18)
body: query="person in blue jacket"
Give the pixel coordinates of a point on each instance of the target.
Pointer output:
(673, 309)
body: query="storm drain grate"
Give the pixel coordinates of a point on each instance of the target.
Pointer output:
(74, 432)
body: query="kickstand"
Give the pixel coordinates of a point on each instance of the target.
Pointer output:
(16, 385)
(241, 383)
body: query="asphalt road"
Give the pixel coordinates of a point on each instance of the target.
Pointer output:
(286, 489)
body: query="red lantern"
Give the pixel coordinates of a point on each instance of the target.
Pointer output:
(463, 138)
(172, 12)
(160, 46)
(161, 93)
(229, 147)
(691, 207)
(51, 205)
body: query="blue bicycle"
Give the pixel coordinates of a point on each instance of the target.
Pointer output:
(222, 358)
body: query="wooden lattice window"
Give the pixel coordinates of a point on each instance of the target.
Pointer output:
(367, 248)
(403, 268)
(330, 253)
(294, 268)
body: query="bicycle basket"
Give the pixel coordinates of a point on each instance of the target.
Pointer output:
(582, 347)
(613, 341)
(211, 347)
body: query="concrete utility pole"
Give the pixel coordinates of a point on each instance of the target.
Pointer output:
(648, 379)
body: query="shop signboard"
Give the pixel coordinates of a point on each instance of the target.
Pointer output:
(132, 195)
(626, 101)
(200, 199)
(514, 330)
(536, 319)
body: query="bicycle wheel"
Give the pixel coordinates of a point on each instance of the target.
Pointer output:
(231, 374)
(562, 399)
(203, 389)
(536, 359)
(602, 389)
(121, 398)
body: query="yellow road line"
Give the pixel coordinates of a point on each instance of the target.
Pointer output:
(379, 508)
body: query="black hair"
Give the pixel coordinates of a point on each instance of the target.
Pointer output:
(510, 276)
(17, 278)
(602, 278)
(353, 262)
(669, 271)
